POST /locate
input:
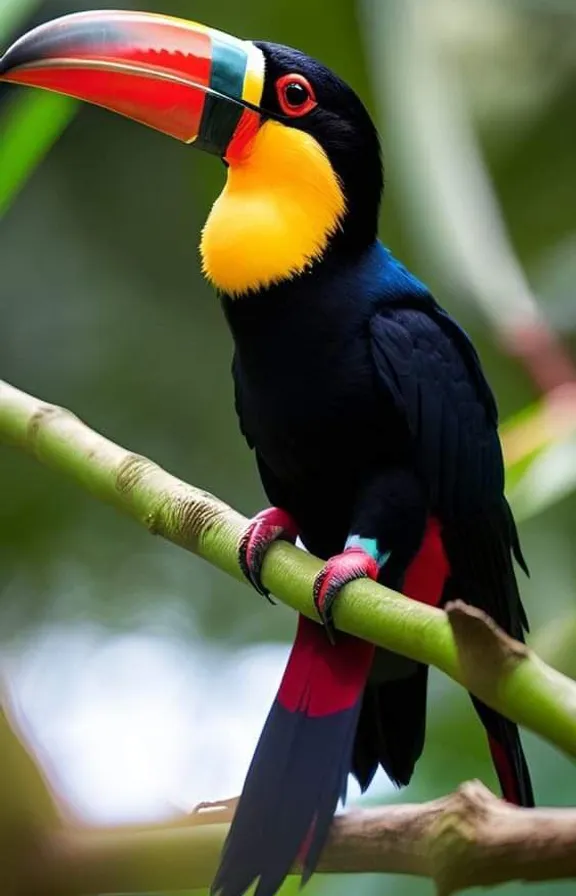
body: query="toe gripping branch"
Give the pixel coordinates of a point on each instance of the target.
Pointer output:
(353, 564)
(266, 528)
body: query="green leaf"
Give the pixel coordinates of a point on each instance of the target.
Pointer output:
(544, 471)
(550, 477)
(33, 120)
(30, 126)
(524, 419)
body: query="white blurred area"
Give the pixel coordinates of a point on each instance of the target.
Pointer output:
(140, 727)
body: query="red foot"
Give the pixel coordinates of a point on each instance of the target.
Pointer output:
(353, 564)
(266, 528)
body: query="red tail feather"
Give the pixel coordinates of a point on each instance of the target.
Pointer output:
(301, 764)
(323, 678)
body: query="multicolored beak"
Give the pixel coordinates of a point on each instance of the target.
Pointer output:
(191, 82)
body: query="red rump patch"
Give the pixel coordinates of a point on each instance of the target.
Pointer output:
(323, 678)
(427, 574)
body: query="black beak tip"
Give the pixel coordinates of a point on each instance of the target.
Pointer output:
(4, 65)
(16, 55)
(74, 34)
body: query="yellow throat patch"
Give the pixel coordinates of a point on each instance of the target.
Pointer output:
(281, 204)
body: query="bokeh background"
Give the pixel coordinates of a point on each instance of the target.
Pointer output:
(141, 674)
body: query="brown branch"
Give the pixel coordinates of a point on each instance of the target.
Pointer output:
(486, 653)
(464, 840)
(467, 839)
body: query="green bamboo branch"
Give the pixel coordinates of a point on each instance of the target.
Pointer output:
(462, 642)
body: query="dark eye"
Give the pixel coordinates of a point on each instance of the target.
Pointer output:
(295, 95)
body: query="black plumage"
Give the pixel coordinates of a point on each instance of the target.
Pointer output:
(368, 412)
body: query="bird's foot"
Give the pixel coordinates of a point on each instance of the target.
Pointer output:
(266, 528)
(353, 563)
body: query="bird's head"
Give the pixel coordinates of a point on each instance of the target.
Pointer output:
(304, 172)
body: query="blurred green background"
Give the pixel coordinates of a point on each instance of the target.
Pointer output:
(142, 674)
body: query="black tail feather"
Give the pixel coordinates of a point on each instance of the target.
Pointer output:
(507, 755)
(292, 789)
(392, 726)
(324, 815)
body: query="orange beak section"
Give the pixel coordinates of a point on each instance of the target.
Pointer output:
(186, 80)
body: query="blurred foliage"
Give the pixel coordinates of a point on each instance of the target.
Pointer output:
(27, 131)
(12, 13)
(103, 309)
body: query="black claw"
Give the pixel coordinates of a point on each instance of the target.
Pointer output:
(329, 628)
(264, 530)
(252, 568)
(323, 604)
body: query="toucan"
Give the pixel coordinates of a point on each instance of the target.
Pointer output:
(374, 429)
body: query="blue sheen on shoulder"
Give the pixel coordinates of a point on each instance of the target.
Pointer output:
(394, 278)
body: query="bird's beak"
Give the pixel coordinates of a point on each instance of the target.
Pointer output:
(191, 82)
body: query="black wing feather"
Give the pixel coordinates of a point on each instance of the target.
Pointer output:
(429, 366)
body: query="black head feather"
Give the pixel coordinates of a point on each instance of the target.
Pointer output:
(342, 126)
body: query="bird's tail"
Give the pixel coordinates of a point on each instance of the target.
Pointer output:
(300, 767)
(507, 755)
(392, 724)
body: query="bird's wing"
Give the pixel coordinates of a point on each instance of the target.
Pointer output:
(429, 367)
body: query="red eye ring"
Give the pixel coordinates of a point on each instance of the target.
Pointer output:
(295, 95)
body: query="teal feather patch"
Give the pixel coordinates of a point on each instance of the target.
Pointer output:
(370, 547)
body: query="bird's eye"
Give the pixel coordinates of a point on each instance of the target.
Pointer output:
(295, 95)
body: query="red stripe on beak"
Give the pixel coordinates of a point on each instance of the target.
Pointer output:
(178, 77)
(168, 106)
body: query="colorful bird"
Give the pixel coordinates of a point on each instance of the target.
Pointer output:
(373, 427)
